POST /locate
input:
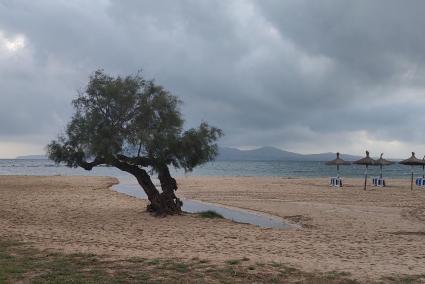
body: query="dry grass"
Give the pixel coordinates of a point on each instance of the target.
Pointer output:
(22, 263)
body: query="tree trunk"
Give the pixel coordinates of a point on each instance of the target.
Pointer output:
(161, 204)
(169, 186)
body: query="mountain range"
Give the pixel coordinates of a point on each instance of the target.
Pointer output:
(275, 154)
(260, 154)
(32, 157)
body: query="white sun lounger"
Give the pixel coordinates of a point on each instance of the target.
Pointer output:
(379, 182)
(336, 182)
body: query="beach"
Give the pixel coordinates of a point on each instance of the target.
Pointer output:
(367, 234)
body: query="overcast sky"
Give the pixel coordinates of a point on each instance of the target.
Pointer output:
(306, 76)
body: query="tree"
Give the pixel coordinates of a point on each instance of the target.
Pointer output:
(136, 126)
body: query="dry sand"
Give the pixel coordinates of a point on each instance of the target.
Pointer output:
(368, 234)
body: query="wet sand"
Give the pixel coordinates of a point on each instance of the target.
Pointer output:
(368, 234)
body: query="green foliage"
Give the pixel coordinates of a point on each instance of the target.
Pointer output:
(210, 214)
(133, 117)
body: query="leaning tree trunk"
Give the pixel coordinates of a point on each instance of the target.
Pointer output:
(169, 186)
(165, 203)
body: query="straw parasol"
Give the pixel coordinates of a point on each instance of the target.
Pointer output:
(412, 161)
(367, 161)
(337, 162)
(423, 167)
(382, 162)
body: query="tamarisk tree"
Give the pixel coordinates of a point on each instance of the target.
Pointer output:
(136, 126)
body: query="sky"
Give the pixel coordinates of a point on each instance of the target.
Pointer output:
(304, 76)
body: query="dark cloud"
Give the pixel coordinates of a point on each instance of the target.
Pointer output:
(301, 75)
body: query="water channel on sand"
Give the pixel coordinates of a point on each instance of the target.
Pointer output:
(193, 206)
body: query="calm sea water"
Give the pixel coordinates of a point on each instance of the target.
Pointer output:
(219, 168)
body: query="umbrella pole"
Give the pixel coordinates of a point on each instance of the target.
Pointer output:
(411, 181)
(381, 171)
(423, 171)
(365, 178)
(337, 171)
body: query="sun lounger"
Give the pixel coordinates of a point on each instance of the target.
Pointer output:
(379, 182)
(420, 181)
(336, 182)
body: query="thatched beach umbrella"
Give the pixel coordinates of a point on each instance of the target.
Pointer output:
(382, 162)
(412, 161)
(367, 161)
(337, 162)
(423, 167)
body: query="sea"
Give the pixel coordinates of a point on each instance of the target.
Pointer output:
(304, 169)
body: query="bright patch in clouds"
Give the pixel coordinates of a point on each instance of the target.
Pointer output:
(12, 44)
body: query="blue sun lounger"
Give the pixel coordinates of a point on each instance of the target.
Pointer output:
(420, 182)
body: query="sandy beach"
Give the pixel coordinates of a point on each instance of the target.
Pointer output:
(369, 234)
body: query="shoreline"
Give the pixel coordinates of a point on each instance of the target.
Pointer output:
(370, 234)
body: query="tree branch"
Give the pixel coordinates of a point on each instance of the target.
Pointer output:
(137, 161)
(90, 165)
(140, 148)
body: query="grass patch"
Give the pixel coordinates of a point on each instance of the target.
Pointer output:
(153, 262)
(179, 267)
(261, 264)
(233, 261)
(404, 279)
(275, 264)
(210, 214)
(22, 263)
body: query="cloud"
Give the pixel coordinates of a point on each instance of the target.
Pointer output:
(301, 75)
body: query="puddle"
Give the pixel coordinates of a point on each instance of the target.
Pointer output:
(193, 206)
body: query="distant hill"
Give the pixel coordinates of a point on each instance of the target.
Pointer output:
(260, 154)
(274, 154)
(32, 157)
